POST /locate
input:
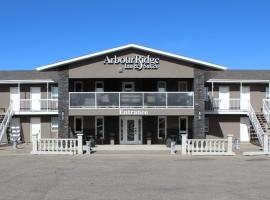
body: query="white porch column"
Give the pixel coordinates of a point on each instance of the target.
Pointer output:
(47, 99)
(265, 143)
(34, 144)
(229, 145)
(80, 143)
(212, 89)
(184, 144)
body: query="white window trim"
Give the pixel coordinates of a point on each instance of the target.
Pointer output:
(98, 82)
(165, 117)
(186, 83)
(96, 118)
(132, 83)
(165, 83)
(76, 82)
(78, 117)
(52, 130)
(179, 120)
(52, 86)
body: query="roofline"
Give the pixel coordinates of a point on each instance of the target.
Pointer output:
(126, 47)
(237, 81)
(26, 81)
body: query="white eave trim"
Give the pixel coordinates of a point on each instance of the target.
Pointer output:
(236, 81)
(26, 81)
(131, 46)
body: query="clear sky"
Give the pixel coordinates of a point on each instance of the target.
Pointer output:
(231, 33)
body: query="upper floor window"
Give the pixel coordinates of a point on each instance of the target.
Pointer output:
(54, 92)
(78, 86)
(99, 86)
(161, 86)
(128, 86)
(182, 86)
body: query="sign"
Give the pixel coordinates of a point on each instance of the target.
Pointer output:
(133, 112)
(134, 63)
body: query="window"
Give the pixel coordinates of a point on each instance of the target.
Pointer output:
(99, 86)
(183, 125)
(78, 86)
(161, 86)
(182, 86)
(78, 124)
(206, 124)
(54, 125)
(206, 97)
(128, 87)
(54, 92)
(100, 127)
(162, 127)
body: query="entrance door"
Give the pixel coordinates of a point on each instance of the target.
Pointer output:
(35, 127)
(15, 127)
(224, 98)
(183, 126)
(35, 98)
(15, 98)
(245, 98)
(130, 130)
(244, 126)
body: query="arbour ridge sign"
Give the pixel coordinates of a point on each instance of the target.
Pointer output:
(138, 62)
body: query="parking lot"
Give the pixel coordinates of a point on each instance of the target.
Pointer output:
(133, 176)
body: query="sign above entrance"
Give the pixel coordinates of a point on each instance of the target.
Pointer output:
(133, 112)
(133, 63)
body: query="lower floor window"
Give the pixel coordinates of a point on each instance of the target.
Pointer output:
(206, 124)
(54, 125)
(100, 127)
(162, 127)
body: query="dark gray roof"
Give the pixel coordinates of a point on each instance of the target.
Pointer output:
(28, 75)
(238, 75)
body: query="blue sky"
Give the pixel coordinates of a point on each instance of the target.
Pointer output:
(232, 33)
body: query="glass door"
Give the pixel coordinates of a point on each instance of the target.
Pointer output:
(183, 126)
(130, 130)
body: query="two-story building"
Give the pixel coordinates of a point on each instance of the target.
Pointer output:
(133, 95)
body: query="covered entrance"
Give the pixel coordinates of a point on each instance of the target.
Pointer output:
(130, 131)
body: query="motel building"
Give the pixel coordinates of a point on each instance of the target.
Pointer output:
(134, 95)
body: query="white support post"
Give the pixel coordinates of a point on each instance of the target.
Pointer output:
(265, 143)
(80, 143)
(184, 144)
(230, 145)
(34, 144)
(212, 89)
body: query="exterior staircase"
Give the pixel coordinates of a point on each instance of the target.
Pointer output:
(263, 123)
(4, 121)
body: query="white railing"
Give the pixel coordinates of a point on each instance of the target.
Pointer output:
(229, 105)
(131, 99)
(256, 124)
(207, 146)
(4, 124)
(266, 110)
(57, 146)
(39, 105)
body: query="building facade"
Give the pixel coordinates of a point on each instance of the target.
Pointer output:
(133, 95)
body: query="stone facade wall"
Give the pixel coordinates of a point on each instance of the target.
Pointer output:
(199, 109)
(63, 103)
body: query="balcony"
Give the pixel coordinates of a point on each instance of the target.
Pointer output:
(35, 106)
(226, 105)
(110, 100)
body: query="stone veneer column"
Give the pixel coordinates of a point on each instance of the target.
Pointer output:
(199, 107)
(63, 104)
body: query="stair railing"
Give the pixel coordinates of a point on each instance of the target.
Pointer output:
(255, 123)
(6, 120)
(266, 110)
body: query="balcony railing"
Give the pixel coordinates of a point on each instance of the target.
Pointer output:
(226, 105)
(35, 105)
(131, 99)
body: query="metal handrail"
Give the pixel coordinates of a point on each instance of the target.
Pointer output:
(6, 120)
